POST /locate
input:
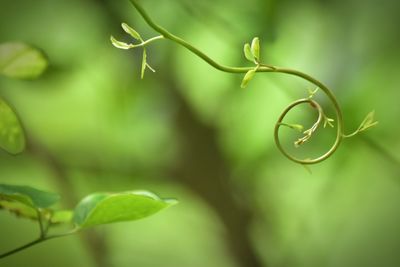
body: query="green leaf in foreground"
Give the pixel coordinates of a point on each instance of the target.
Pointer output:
(104, 208)
(21, 61)
(12, 138)
(27, 195)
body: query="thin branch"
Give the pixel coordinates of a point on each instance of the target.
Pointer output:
(28, 245)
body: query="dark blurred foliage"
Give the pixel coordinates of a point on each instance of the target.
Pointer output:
(190, 132)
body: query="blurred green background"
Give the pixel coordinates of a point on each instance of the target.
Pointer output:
(189, 132)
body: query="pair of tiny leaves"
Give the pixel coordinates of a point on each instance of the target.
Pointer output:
(122, 45)
(20, 61)
(252, 53)
(95, 209)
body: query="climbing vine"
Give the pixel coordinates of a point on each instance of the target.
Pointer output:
(252, 54)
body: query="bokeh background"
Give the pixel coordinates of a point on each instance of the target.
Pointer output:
(189, 132)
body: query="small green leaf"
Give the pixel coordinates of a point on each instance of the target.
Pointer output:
(131, 31)
(144, 64)
(21, 61)
(368, 122)
(247, 53)
(248, 77)
(104, 208)
(27, 195)
(12, 138)
(255, 48)
(119, 44)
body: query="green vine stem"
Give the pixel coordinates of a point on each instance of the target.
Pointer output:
(44, 222)
(252, 54)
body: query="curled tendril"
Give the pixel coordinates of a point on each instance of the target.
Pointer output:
(252, 53)
(322, 119)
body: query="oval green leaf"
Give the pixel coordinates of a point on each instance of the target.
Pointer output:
(21, 61)
(104, 208)
(12, 138)
(27, 195)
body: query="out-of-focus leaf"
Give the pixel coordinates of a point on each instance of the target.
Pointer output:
(248, 77)
(131, 31)
(21, 61)
(247, 53)
(12, 138)
(27, 195)
(104, 208)
(19, 209)
(119, 44)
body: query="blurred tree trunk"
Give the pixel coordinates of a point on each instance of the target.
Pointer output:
(202, 168)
